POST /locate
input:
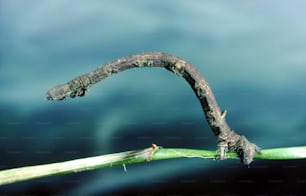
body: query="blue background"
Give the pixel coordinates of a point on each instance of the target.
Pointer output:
(253, 53)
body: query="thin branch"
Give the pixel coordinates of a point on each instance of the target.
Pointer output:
(227, 139)
(11, 176)
(31, 172)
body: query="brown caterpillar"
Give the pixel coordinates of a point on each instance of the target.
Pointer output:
(227, 139)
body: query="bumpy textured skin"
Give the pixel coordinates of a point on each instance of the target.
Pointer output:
(227, 139)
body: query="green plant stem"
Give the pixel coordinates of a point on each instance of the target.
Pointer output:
(136, 156)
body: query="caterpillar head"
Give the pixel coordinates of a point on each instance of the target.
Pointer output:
(58, 92)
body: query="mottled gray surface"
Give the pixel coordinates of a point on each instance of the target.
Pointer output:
(252, 53)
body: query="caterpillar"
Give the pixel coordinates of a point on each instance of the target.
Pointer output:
(227, 139)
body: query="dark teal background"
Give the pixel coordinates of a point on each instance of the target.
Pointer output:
(253, 53)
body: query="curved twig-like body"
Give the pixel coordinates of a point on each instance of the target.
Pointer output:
(227, 139)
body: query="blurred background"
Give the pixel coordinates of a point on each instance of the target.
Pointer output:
(252, 53)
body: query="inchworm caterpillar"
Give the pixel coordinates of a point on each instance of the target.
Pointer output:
(227, 139)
